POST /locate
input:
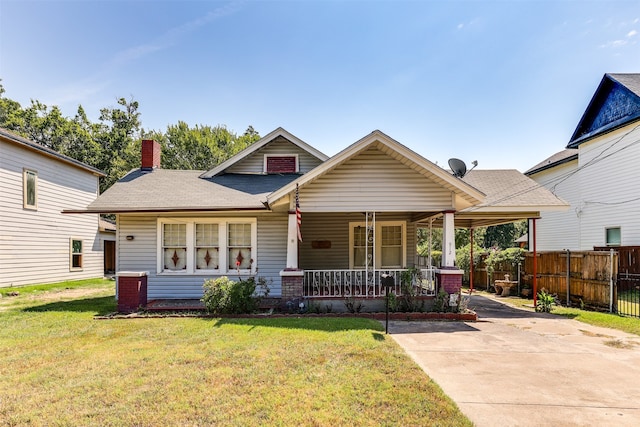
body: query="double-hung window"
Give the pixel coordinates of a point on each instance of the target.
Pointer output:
(174, 247)
(207, 246)
(75, 254)
(382, 246)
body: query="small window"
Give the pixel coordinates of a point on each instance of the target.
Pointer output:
(613, 236)
(75, 258)
(281, 164)
(30, 189)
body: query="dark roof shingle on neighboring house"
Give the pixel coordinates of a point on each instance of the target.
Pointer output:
(615, 103)
(184, 190)
(558, 158)
(630, 81)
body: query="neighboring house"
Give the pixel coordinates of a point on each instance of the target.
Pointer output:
(596, 174)
(38, 244)
(360, 211)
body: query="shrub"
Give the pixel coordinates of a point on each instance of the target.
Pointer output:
(225, 296)
(545, 302)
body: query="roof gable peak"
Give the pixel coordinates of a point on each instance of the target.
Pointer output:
(262, 142)
(615, 103)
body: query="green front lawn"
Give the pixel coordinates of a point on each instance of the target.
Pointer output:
(60, 366)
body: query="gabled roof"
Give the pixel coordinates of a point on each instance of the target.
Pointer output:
(280, 132)
(47, 152)
(395, 150)
(561, 157)
(615, 103)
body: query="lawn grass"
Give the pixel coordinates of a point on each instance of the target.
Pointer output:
(60, 366)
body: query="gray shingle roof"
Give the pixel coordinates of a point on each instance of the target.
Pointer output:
(180, 190)
(510, 188)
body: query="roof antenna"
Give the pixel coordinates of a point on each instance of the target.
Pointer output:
(458, 167)
(474, 163)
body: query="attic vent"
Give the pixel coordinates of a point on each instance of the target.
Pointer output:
(281, 164)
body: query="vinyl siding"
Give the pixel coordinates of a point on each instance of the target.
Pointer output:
(335, 229)
(373, 181)
(560, 230)
(603, 193)
(140, 254)
(34, 244)
(279, 146)
(609, 187)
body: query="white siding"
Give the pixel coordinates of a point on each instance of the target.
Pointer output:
(373, 181)
(140, 254)
(560, 230)
(34, 244)
(279, 146)
(602, 191)
(609, 187)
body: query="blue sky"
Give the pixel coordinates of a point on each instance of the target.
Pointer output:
(501, 82)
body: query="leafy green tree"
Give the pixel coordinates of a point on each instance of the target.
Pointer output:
(504, 235)
(118, 134)
(201, 147)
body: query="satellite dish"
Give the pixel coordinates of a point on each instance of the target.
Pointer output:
(458, 167)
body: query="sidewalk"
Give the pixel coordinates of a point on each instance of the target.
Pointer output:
(519, 368)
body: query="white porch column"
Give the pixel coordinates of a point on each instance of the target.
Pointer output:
(448, 240)
(292, 241)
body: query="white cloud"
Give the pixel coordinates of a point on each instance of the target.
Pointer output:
(632, 33)
(460, 26)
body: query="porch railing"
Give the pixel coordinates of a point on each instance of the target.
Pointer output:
(364, 284)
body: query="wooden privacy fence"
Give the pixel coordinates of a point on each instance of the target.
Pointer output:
(590, 274)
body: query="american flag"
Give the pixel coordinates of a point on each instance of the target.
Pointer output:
(298, 214)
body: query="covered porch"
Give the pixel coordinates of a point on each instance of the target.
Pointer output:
(364, 255)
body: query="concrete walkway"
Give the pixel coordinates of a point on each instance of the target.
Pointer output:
(518, 368)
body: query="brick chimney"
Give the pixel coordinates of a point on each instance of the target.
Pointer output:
(150, 154)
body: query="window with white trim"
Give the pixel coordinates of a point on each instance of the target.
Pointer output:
(29, 189)
(387, 249)
(613, 236)
(75, 254)
(207, 246)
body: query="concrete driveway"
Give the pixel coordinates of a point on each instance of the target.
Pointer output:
(518, 368)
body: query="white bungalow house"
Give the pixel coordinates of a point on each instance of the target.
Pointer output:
(596, 173)
(360, 210)
(38, 244)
